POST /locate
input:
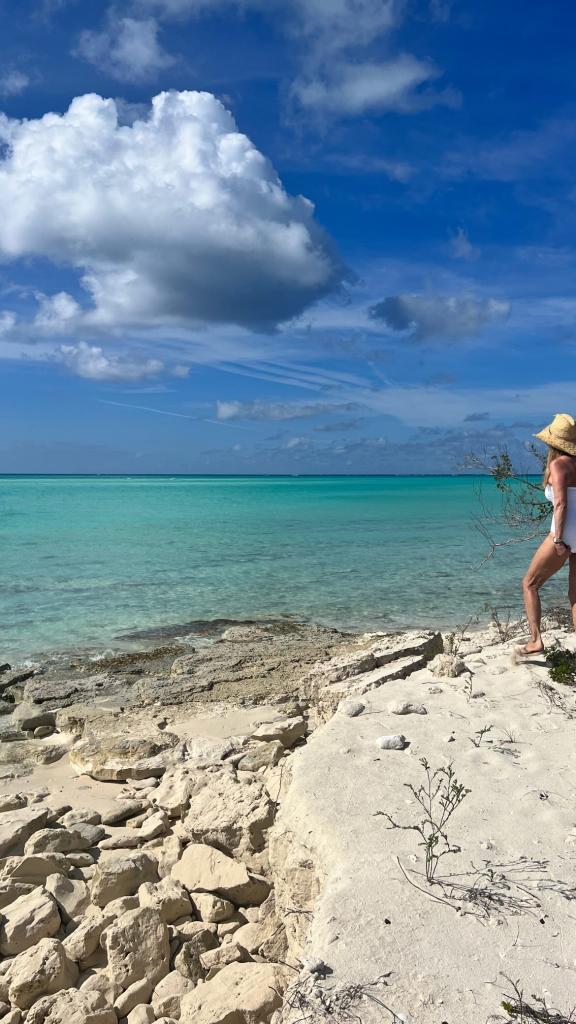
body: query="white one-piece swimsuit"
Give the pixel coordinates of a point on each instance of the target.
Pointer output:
(569, 534)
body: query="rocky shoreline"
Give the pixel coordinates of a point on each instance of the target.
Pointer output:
(175, 826)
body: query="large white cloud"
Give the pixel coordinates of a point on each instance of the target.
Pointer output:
(439, 316)
(174, 220)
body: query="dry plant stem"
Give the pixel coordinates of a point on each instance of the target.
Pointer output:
(439, 797)
(523, 509)
(518, 1009)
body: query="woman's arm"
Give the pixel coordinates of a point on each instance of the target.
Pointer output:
(559, 476)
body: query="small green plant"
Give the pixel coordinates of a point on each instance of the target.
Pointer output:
(439, 797)
(477, 738)
(562, 665)
(518, 1009)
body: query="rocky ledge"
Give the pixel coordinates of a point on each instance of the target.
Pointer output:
(169, 901)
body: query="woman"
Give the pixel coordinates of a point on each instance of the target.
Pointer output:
(560, 544)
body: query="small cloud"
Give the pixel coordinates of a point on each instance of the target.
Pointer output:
(461, 247)
(438, 316)
(349, 89)
(91, 362)
(12, 83)
(477, 417)
(128, 49)
(278, 411)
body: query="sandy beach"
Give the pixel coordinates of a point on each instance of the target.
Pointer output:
(227, 833)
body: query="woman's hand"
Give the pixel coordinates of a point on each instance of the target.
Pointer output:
(562, 549)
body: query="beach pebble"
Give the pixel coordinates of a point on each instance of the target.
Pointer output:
(450, 739)
(150, 783)
(407, 709)
(397, 742)
(42, 731)
(351, 708)
(435, 689)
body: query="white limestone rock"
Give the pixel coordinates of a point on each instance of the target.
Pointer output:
(447, 666)
(263, 755)
(16, 826)
(72, 1007)
(137, 947)
(139, 992)
(351, 708)
(405, 708)
(228, 813)
(141, 1014)
(121, 875)
(395, 742)
(286, 730)
(40, 971)
(167, 995)
(240, 994)
(168, 897)
(213, 908)
(204, 869)
(27, 921)
(71, 896)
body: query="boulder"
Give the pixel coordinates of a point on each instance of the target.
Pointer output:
(100, 982)
(141, 1014)
(261, 756)
(121, 875)
(168, 994)
(29, 717)
(174, 792)
(216, 959)
(240, 994)
(28, 920)
(228, 813)
(447, 666)
(12, 801)
(137, 947)
(213, 908)
(71, 896)
(34, 869)
(40, 971)
(81, 815)
(18, 825)
(10, 891)
(115, 757)
(187, 960)
(85, 939)
(139, 992)
(123, 839)
(168, 897)
(204, 869)
(64, 840)
(168, 854)
(154, 826)
(122, 810)
(286, 730)
(72, 1007)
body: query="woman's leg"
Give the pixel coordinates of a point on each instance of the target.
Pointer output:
(544, 564)
(572, 587)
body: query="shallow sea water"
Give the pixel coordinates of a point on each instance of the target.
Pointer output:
(85, 560)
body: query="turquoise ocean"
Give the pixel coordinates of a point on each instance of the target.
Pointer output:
(87, 560)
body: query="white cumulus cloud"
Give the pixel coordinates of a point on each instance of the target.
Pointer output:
(127, 48)
(174, 220)
(92, 362)
(439, 316)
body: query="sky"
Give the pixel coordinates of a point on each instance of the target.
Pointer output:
(284, 236)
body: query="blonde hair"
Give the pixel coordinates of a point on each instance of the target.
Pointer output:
(553, 454)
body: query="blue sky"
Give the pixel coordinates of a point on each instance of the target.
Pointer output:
(260, 236)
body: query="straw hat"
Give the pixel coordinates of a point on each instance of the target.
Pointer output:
(561, 433)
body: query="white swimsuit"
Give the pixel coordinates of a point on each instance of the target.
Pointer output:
(569, 534)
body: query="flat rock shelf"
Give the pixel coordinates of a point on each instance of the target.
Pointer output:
(227, 835)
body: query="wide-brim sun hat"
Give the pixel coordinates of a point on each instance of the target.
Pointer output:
(561, 433)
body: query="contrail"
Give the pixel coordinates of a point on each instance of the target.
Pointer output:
(147, 408)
